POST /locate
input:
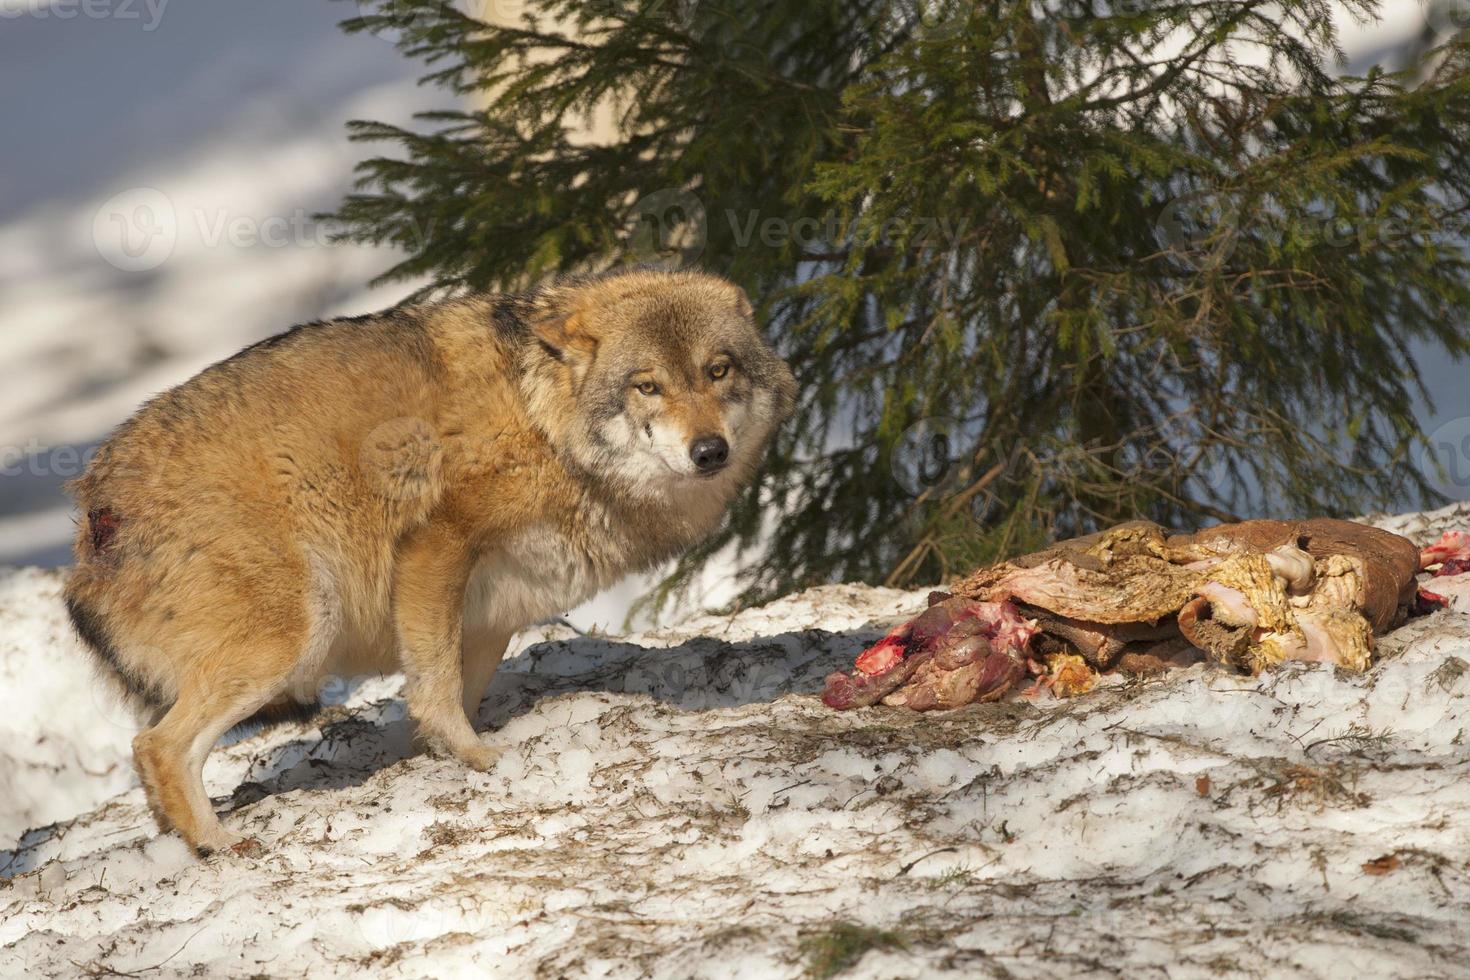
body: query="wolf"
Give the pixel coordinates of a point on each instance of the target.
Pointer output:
(403, 492)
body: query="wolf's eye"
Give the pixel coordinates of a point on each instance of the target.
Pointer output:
(648, 388)
(718, 371)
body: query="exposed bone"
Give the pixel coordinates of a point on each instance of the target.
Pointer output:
(1451, 545)
(1229, 606)
(1293, 566)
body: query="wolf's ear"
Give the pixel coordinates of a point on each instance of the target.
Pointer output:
(742, 303)
(566, 338)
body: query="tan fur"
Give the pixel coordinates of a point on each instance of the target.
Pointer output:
(405, 491)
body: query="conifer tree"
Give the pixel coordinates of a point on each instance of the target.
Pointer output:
(1039, 266)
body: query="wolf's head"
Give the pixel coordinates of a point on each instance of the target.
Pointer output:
(655, 380)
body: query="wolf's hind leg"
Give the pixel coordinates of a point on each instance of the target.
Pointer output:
(170, 755)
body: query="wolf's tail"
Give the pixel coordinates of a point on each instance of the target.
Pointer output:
(92, 628)
(282, 712)
(85, 585)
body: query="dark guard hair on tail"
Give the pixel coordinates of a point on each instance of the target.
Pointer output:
(93, 630)
(98, 546)
(272, 715)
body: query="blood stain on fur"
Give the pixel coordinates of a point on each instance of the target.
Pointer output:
(103, 524)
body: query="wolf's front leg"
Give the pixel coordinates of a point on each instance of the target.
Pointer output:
(428, 600)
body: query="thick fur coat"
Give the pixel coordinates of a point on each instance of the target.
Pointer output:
(404, 491)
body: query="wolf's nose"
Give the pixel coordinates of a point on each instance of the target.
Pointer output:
(709, 453)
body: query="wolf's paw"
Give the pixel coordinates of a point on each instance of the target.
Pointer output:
(468, 749)
(481, 758)
(222, 841)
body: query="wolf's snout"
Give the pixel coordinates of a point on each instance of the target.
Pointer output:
(710, 453)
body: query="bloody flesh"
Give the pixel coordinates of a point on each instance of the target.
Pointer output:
(1246, 596)
(986, 641)
(1451, 545)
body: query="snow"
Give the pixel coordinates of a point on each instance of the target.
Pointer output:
(66, 740)
(678, 803)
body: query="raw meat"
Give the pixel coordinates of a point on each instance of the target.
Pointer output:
(1248, 595)
(957, 651)
(1451, 546)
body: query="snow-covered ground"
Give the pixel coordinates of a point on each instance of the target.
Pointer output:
(678, 803)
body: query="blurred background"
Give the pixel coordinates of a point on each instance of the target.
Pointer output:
(235, 112)
(162, 165)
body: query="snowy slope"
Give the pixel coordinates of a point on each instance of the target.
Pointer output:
(678, 803)
(65, 739)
